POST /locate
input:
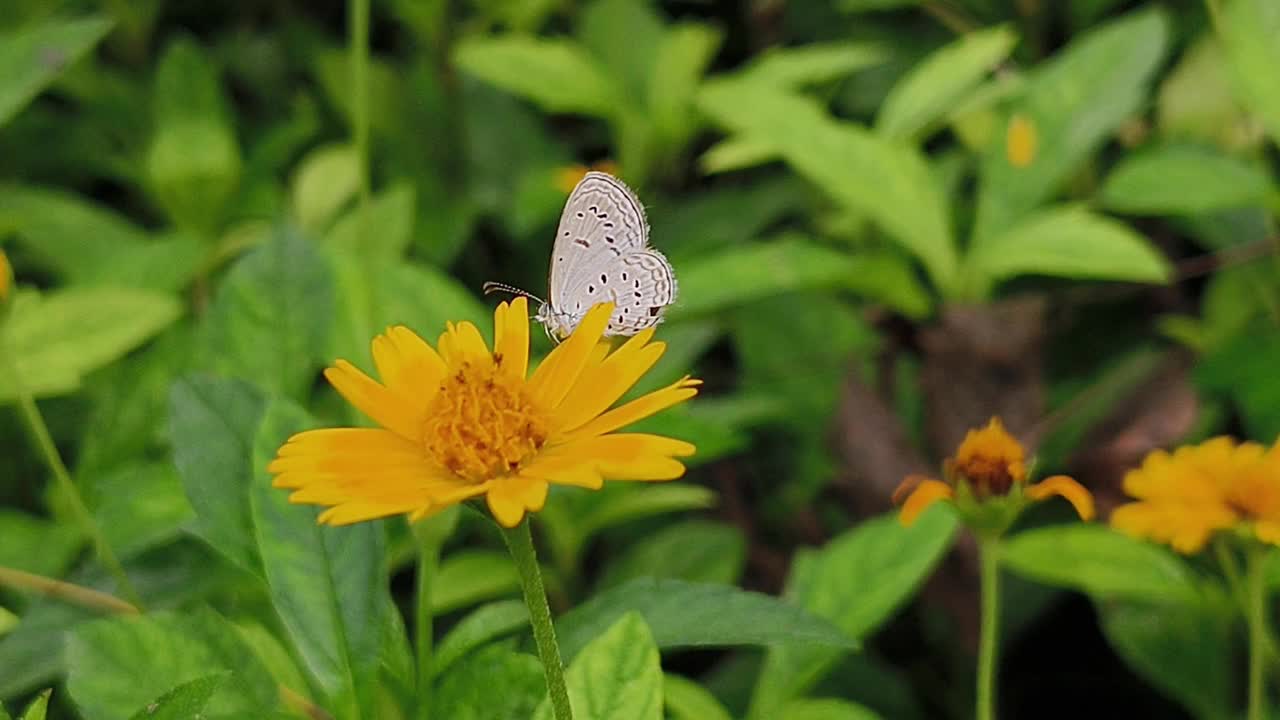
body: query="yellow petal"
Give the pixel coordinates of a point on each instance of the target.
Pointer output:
(638, 409)
(1268, 531)
(1066, 488)
(926, 493)
(463, 343)
(559, 371)
(510, 497)
(623, 456)
(600, 385)
(511, 337)
(1186, 528)
(406, 363)
(397, 413)
(358, 512)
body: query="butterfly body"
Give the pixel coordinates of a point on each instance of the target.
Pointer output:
(601, 254)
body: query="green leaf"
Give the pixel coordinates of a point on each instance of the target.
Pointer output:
(389, 225)
(187, 701)
(38, 708)
(687, 700)
(1197, 102)
(930, 89)
(4, 714)
(495, 683)
(34, 55)
(58, 338)
(70, 234)
(1072, 103)
(1184, 650)
(193, 162)
(685, 614)
(737, 153)
(681, 60)
(116, 666)
(739, 275)
(211, 427)
(695, 550)
(856, 581)
(467, 577)
(328, 584)
(626, 503)
(1182, 180)
(812, 64)
(1249, 29)
(1100, 561)
(557, 75)
(326, 180)
(36, 545)
(139, 506)
(1070, 242)
(825, 709)
(617, 676)
(1244, 369)
(270, 319)
(885, 181)
(484, 624)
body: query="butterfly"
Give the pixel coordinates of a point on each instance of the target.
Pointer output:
(602, 254)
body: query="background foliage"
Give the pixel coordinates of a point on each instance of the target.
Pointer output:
(890, 220)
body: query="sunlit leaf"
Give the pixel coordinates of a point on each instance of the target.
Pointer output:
(556, 74)
(1183, 180)
(34, 55)
(617, 676)
(1249, 29)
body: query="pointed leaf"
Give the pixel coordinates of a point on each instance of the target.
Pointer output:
(616, 677)
(38, 708)
(1183, 180)
(1249, 29)
(485, 623)
(812, 64)
(687, 700)
(496, 683)
(187, 701)
(34, 55)
(558, 75)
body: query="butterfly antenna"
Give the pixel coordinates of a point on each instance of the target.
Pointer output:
(493, 287)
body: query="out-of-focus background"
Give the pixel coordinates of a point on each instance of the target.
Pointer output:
(890, 221)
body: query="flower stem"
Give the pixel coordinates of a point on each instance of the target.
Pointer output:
(1256, 617)
(34, 421)
(989, 577)
(520, 543)
(69, 592)
(358, 28)
(428, 560)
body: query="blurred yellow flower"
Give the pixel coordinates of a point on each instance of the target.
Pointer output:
(568, 177)
(1186, 497)
(990, 463)
(1021, 141)
(6, 277)
(464, 422)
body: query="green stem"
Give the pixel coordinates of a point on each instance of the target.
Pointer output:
(428, 560)
(1256, 617)
(359, 39)
(988, 643)
(34, 421)
(520, 543)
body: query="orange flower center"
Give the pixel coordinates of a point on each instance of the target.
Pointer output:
(482, 423)
(990, 459)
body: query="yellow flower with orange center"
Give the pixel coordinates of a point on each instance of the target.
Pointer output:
(1184, 498)
(465, 421)
(989, 464)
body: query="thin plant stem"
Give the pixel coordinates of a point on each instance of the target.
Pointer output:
(988, 640)
(428, 561)
(68, 592)
(31, 417)
(520, 544)
(1256, 618)
(358, 20)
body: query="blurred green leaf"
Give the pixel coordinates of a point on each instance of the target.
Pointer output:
(482, 625)
(1184, 650)
(930, 89)
(887, 182)
(324, 182)
(385, 233)
(58, 338)
(186, 701)
(826, 709)
(1102, 562)
(4, 714)
(1182, 180)
(37, 545)
(1244, 369)
(556, 74)
(1066, 241)
(694, 550)
(328, 584)
(271, 318)
(193, 163)
(1249, 29)
(212, 426)
(685, 614)
(118, 665)
(624, 503)
(495, 683)
(467, 577)
(1197, 102)
(34, 55)
(737, 153)
(388, 96)
(682, 57)
(856, 581)
(624, 36)
(617, 676)
(685, 699)
(37, 708)
(1070, 105)
(139, 506)
(812, 64)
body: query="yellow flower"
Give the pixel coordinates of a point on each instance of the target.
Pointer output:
(1021, 141)
(568, 177)
(464, 422)
(989, 463)
(6, 277)
(1186, 497)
